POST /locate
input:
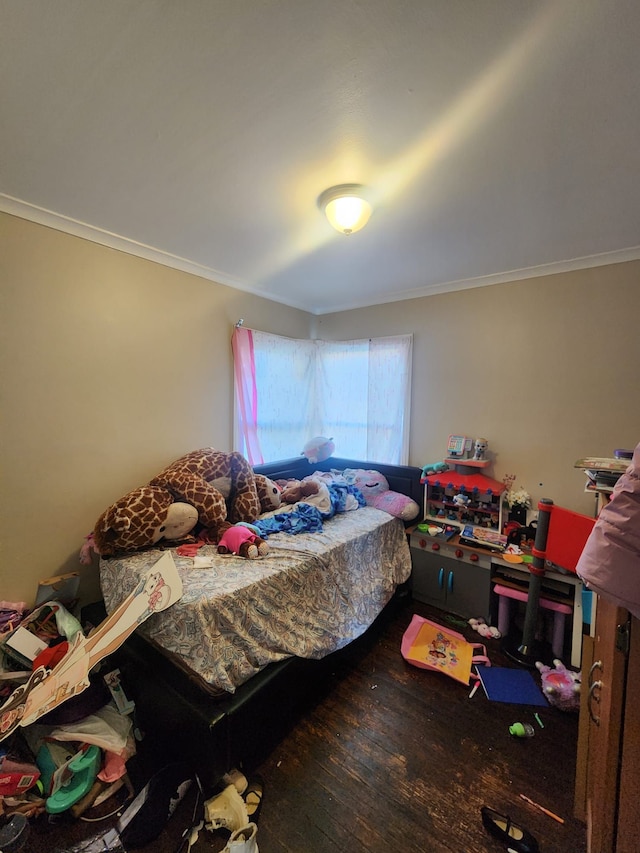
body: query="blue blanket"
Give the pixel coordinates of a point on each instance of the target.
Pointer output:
(304, 519)
(338, 493)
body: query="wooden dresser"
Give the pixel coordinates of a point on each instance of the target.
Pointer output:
(608, 761)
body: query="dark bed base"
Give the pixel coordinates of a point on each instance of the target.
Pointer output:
(214, 734)
(217, 733)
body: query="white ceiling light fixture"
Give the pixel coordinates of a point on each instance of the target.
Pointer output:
(345, 207)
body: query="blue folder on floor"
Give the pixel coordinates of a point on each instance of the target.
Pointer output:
(502, 684)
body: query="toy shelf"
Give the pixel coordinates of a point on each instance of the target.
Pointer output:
(484, 507)
(468, 463)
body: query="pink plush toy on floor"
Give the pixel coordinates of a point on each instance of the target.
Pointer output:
(484, 630)
(560, 686)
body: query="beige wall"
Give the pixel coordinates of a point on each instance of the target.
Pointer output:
(546, 369)
(113, 366)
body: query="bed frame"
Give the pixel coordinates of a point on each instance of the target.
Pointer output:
(216, 733)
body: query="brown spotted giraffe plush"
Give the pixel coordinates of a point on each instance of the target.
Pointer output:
(206, 486)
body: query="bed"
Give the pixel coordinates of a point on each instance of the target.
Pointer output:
(225, 655)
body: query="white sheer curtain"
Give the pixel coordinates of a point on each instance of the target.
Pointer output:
(363, 397)
(355, 392)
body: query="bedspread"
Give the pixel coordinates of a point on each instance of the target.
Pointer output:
(311, 595)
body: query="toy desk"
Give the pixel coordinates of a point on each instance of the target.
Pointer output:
(556, 585)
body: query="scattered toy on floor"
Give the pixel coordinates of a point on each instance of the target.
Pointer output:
(560, 685)
(483, 629)
(522, 730)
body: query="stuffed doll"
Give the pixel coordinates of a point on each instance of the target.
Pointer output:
(184, 494)
(560, 686)
(461, 500)
(298, 490)
(374, 487)
(243, 541)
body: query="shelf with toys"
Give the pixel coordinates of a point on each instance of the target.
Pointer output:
(463, 497)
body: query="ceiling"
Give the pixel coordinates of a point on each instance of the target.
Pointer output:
(498, 139)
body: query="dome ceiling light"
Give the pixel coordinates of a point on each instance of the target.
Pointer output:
(345, 207)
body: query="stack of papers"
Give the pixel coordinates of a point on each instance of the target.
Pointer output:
(602, 473)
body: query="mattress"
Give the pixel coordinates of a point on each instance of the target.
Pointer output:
(311, 595)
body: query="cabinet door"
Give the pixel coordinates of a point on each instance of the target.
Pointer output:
(628, 812)
(468, 589)
(427, 578)
(462, 588)
(605, 706)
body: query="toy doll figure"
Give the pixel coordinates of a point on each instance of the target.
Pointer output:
(244, 542)
(480, 449)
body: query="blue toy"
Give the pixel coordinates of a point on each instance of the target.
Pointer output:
(434, 468)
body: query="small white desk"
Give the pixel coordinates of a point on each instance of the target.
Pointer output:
(553, 579)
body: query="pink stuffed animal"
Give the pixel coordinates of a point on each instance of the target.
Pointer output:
(318, 449)
(374, 487)
(560, 686)
(243, 541)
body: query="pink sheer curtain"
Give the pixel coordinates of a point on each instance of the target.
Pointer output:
(246, 392)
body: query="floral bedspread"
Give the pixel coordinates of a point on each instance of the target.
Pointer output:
(312, 594)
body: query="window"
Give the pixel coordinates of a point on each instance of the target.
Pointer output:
(355, 392)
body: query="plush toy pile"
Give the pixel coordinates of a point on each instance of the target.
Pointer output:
(207, 487)
(487, 631)
(205, 493)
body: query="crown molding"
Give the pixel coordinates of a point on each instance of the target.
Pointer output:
(74, 227)
(619, 256)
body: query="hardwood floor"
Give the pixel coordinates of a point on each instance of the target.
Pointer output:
(383, 756)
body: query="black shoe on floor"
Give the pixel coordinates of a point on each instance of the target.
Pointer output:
(515, 837)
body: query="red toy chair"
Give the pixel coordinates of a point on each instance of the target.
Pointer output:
(561, 535)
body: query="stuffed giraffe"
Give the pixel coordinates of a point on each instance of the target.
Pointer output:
(205, 486)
